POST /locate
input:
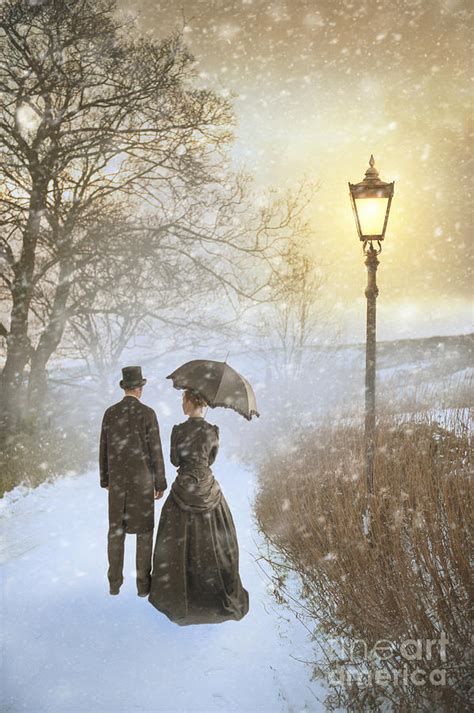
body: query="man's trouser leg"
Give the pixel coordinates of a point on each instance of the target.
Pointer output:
(115, 551)
(143, 561)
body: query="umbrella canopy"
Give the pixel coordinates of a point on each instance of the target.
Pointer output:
(218, 384)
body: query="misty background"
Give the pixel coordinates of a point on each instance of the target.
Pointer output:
(185, 196)
(319, 86)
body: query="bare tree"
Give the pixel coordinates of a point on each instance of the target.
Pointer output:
(295, 317)
(88, 115)
(196, 267)
(295, 320)
(119, 212)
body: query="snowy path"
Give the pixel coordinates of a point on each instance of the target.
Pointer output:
(68, 646)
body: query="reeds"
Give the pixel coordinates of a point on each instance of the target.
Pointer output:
(411, 583)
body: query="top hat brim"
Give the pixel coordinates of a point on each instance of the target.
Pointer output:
(131, 384)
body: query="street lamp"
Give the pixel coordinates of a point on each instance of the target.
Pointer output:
(371, 200)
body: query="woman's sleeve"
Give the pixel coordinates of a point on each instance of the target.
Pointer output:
(174, 457)
(215, 446)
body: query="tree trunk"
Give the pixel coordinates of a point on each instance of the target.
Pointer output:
(11, 384)
(18, 342)
(49, 342)
(37, 383)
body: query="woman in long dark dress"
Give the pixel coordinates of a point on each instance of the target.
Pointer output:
(195, 577)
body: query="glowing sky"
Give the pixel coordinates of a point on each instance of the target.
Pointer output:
(323, 84)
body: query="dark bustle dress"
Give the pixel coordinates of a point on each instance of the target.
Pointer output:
(195, 577)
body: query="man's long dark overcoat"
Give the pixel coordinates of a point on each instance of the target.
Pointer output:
(131, 464)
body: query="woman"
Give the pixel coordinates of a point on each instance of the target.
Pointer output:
(195, 577)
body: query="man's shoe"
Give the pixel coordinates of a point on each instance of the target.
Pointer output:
(143, 594)
(114, 590)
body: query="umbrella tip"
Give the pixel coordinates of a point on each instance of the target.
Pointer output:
(226, 357)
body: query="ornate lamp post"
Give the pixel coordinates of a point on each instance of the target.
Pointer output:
(371, 200)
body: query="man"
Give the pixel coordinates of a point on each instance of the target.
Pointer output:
(132, 470)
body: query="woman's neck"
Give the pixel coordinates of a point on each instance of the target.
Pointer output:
(195, 414)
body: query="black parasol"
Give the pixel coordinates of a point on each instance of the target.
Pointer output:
(218, 384)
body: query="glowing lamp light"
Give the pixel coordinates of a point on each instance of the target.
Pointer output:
(371, 200)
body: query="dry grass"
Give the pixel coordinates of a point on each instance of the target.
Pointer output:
(413, 583)
(32, 457)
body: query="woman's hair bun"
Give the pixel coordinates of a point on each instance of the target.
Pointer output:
(196, 400)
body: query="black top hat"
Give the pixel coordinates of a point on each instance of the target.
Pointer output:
(132, 377)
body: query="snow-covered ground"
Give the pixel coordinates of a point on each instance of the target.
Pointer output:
(68, 646)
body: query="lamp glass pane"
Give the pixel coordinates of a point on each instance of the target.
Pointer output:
(371, 212)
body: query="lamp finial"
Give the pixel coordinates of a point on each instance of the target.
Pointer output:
(371, 174)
